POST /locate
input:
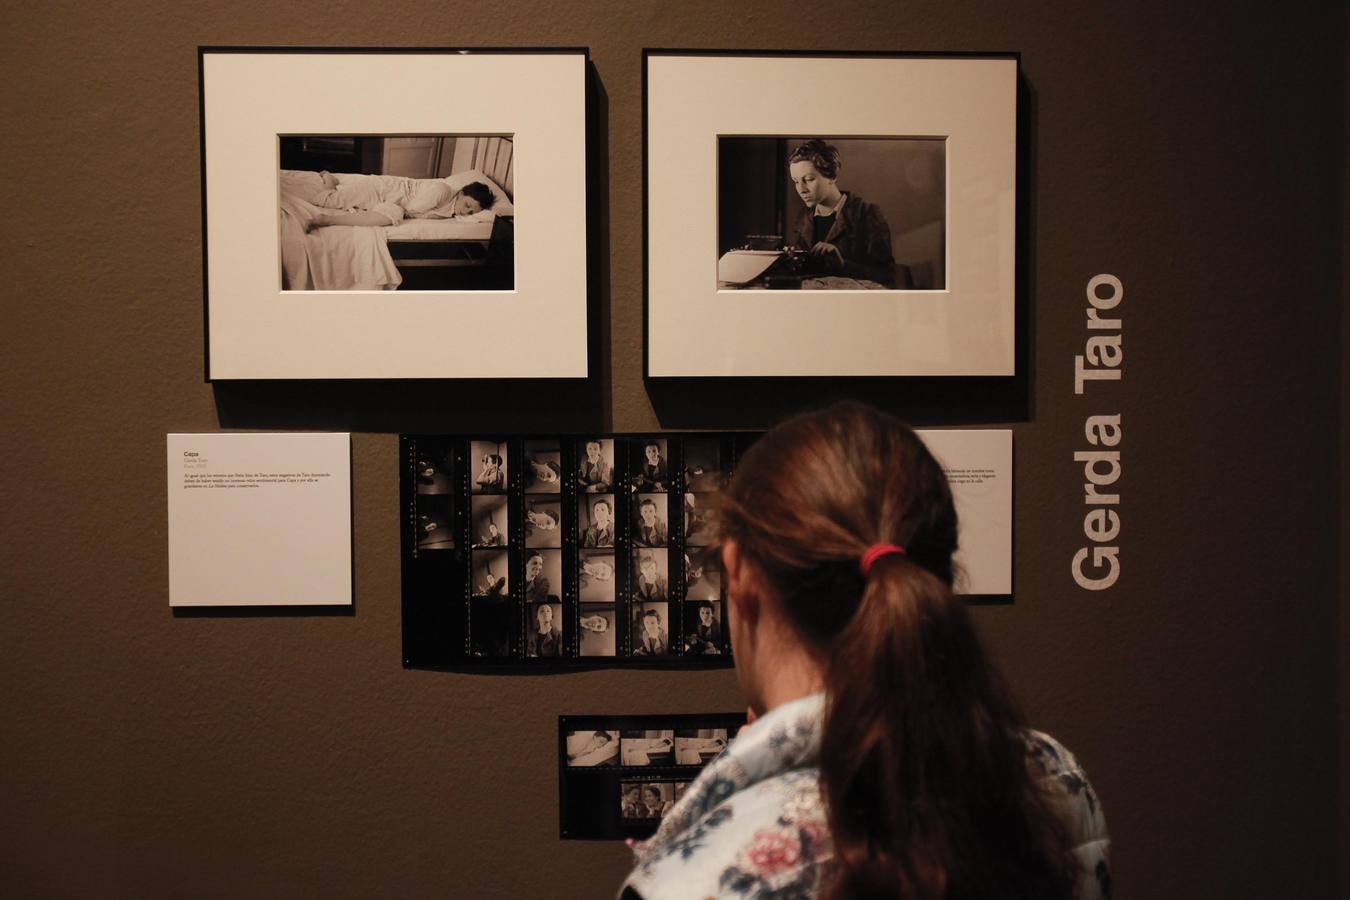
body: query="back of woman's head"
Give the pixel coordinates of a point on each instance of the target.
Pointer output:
(923, 764)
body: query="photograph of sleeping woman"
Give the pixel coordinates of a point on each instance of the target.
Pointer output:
(396, 212)
(831, 213)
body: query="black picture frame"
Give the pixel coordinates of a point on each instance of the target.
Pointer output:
(696, 331)
(245, 342)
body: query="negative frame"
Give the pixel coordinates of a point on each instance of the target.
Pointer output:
(605, 763)
(479, 567)
(510, 119)
(734, 292)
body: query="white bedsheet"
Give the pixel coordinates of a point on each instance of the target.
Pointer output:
(332, 258)
(356, 258)
(439, 230)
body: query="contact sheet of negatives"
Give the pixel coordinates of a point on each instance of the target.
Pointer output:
(564, 551)
(619, 775)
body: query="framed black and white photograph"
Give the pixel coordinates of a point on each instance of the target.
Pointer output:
(830, 214)
(367, 210)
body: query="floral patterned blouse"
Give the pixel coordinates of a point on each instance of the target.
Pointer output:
(752, 824)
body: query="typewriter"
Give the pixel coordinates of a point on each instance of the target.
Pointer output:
(763, 262)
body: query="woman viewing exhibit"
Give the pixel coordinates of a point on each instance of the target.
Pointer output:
(842, 233)
(885, 755)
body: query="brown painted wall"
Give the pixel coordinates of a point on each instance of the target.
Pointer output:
(1199, 157)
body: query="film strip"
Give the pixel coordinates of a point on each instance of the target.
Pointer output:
(578, 550)
(619, 775)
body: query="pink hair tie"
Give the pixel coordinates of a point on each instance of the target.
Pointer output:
(876, 552)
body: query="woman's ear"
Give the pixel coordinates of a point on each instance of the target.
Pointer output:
(742, 593)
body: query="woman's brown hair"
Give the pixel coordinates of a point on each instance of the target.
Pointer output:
(825, 157)
(923, 760)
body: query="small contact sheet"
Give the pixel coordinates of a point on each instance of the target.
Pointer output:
(576, 550)
(619, 775)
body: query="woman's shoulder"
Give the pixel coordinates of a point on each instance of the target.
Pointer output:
(1056, 768)
(862, 207)
(1072, 795)
(767, 839)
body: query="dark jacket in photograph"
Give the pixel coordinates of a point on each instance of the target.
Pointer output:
(653, 536)
(595, 536)
(651, 590)
(862, 236)
(537, 590)
(546, 644)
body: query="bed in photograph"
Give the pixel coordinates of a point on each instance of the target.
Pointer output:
(464, 253)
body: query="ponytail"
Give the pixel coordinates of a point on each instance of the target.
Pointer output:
(920, 769)
(870, 762)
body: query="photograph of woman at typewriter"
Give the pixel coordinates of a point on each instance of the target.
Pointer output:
(790, 218)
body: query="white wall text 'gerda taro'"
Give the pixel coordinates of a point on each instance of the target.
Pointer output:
(1096, 565)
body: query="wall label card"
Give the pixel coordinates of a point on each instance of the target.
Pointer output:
(978, 463)
(260, 519)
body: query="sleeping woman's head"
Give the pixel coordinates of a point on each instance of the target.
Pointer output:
(474, 198)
